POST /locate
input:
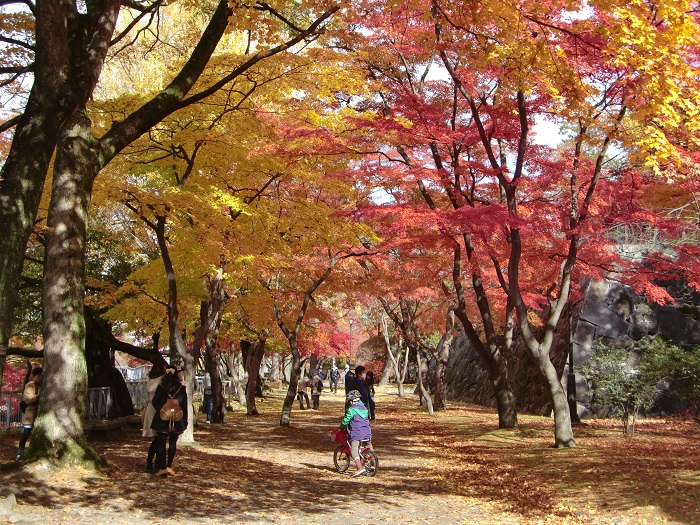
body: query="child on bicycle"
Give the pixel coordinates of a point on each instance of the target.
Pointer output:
(356, 421)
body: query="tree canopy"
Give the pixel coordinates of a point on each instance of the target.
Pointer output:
(311, 156)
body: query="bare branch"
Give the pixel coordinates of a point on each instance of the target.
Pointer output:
(16, 42)
(145, 11)
(10, 123)
(263, 6)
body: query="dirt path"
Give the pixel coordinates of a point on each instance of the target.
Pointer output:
(450, 469)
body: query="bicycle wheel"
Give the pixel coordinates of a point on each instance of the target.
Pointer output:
(370, 462)
(341, 459)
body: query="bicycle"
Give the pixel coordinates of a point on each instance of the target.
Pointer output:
(342, 454)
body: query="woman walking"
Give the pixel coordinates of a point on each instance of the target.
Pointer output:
(169, 423)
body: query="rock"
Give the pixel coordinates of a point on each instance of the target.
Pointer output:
(8, 507)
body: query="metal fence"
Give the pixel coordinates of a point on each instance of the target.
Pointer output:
(648, 238)
(99, 407)
(139, 373)
(225, 386)
(99, 400)
(10, 415)
(138, 393)
(99, 404)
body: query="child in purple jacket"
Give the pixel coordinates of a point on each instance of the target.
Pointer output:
(356, 422)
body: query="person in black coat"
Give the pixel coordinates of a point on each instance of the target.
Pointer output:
(171, 386)
(350, 380)
(361, 384)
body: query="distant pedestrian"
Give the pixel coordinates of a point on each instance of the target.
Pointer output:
(369, 381)
(316, 389)
(302, 394)
(208, 398)
(356, 421)
(154, 377)
(334, 377)
(30, 397)
(171, 387)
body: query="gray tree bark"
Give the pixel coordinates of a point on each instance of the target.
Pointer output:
(58, 431)
(442, 356)
(65, 73)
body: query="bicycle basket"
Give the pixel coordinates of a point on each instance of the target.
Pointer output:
(339, 436)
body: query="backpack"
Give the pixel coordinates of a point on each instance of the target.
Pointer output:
(319, 386)
(171, 410)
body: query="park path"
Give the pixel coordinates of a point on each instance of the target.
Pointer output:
(446, 470)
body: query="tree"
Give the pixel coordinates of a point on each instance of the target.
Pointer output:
(80, 157)
(395, 359)
(520, 214)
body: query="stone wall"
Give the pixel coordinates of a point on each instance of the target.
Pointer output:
(613, 313)
(467, 381)
(609, 312)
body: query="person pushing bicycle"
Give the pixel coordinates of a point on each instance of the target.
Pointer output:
(356, 422)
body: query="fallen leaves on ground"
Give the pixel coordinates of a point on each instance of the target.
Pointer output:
(455, 467)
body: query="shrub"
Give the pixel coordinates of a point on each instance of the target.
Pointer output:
(679, 365)
(620, 378)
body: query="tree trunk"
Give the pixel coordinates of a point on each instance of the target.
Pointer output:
(235, 366)
(442, 356)
(294, 376)
(563, 433)
(424, 394)
(21, 185)
(394, 360)
(401, 378)
(63, 81)
(286, 368)
(101, 370)
(385, 376)
(291, 336)
(102, 333)
(492, 350)
(496, 366)
(275, 368)
(58, 432)
(254, 357)
(505, 399)
(211, 365)
(177, 345)
(212, 319)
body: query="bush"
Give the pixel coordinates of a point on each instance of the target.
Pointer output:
(619, 377)
(680, 366)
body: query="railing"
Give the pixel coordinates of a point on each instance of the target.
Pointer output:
(99, 404)
(99, 400)
(647, 237)
(135, 379)
(139, 373)
(225, 386)
(138, 393)
(10, 415)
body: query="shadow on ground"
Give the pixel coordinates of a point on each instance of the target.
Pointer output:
(455, 466)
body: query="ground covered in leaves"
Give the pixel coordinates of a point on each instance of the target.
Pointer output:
(453, 468)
